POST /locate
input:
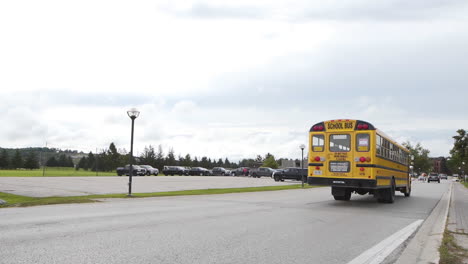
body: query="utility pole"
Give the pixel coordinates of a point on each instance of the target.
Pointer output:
(44, 161)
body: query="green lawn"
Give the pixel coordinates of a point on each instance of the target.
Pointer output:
(23, 201)
(52, 172)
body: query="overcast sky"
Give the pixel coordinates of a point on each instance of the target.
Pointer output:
(230, 78)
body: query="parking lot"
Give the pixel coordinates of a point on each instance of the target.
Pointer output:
(75, 186)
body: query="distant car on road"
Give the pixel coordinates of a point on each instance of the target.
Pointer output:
(443, 176)
(433, 177)
(150, 170)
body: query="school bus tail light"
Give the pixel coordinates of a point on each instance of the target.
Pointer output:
(362, 126)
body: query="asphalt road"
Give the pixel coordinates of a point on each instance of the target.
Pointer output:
(293, 226)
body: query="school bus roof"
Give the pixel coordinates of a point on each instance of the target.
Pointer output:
(350, 125)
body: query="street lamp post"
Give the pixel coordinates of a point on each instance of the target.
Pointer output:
(463, 171)
(302, 147)
(412, 166)
(133, 114)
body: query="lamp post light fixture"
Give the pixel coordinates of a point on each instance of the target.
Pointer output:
(133, 113)
(302, 147)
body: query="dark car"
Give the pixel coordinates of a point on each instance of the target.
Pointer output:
(220, 171)
(290, 173)
(137, 170)
(433, 177)
(199, 171)
(174, 170)
(262, 171)
(242, 171)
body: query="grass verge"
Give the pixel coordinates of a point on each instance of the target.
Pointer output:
(24, 201)
(450, 251)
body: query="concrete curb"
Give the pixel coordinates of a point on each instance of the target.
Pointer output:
(380, 252)
(424, 247)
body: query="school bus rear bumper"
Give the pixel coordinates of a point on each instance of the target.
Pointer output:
(343, 182)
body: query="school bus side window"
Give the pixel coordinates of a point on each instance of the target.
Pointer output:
(378, 140)
(318, 141)
(362, 142)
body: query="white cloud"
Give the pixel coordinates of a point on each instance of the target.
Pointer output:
(231, 79)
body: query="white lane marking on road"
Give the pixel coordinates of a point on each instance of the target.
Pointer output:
(379, 252)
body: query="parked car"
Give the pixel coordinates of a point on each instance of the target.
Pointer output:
(433, 177)
(220, 171)
(290, 173)
(262, 171)
(137, 170)
(242, 171)
(174, 170)
(199, 171)
(150, 170)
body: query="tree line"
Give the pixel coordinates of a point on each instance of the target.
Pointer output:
(110, 158)
(18, 160)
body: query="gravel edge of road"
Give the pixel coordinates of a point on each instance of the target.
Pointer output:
(424, 246)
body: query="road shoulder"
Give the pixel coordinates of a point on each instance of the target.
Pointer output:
(424, 247)
(457, 224)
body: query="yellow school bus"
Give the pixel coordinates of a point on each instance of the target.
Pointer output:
(352, 156)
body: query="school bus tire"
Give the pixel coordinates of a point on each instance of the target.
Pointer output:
(407, 192)
(345, 197)
(390, 193)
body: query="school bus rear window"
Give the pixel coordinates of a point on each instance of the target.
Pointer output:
(340, 143)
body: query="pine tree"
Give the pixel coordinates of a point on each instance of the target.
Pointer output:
(188, 160)
(52, 162)
(62, 161)
(4, 160)
(83, 163)
(159, 158)
(17, 160)
(31, 161)
(195, 162)
(270, 162)
(91, 161)
(70, 162)
(170, 159)
(114, 157)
